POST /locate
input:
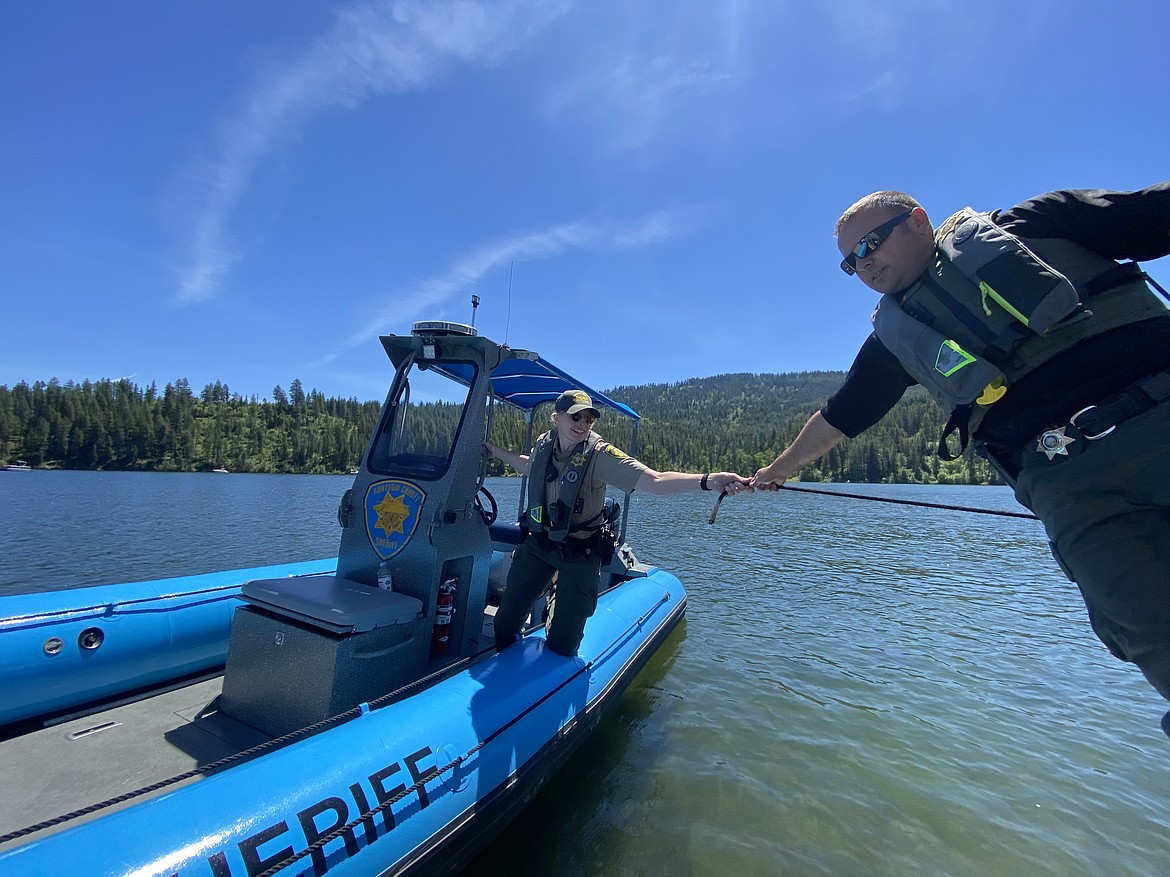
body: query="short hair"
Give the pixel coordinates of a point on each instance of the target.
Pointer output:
(887, 199)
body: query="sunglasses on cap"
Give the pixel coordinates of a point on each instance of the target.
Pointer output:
(871, 242)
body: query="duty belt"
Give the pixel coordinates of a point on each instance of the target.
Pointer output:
(1094, 422)
(569, 549)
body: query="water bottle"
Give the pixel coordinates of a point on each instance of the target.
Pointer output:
(384, 580)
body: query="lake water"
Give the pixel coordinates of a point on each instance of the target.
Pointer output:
(859, 688)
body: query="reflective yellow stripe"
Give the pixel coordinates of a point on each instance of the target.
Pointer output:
(989, 293)
(951, 357)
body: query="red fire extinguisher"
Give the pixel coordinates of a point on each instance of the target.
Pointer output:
(444, 610)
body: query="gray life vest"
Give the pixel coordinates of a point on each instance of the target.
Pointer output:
(990, 309)
(575, 497)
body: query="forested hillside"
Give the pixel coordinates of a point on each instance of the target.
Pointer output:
(117, 425)
(740, 422)
(735, 422)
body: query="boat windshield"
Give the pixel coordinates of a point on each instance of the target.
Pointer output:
(416, 438)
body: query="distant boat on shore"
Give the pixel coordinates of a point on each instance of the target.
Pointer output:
(18, 466)
(221, 471)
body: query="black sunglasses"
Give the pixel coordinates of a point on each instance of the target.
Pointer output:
(871, 242)
(589, 418)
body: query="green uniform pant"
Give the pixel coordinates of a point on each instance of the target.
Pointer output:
(576, 596)
(1106, 509)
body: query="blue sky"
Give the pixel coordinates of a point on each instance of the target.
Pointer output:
(642, 192)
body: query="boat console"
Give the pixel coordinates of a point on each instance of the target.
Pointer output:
(416, 514)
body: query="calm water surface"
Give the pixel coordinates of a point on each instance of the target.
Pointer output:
(859, 688)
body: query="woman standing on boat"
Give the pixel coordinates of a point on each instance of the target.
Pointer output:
(568, 470)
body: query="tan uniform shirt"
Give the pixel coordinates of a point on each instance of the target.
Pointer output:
(608, 466)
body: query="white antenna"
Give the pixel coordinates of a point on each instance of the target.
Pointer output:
(508, 320)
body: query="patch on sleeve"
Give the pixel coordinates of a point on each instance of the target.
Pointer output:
(616, 452)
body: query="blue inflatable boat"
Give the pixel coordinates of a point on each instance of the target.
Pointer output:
(305, 718)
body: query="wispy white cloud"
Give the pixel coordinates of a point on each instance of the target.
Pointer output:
(885, 88)
(370, 49)
(638, 97)
(607, 235)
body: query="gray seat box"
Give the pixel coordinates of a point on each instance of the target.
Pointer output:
(310, 647)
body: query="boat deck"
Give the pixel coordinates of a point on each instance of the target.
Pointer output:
(122, 748)
(114, 752)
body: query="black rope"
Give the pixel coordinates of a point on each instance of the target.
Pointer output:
(104, 609)
(929, 505)
(119, 605)
(715, 511)
(162, 784)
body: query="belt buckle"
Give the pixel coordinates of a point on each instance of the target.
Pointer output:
(1085, 435)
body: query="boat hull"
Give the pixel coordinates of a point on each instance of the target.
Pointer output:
(147, 634)
(414, 786)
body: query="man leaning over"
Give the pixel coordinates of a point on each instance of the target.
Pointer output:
(1047, 347)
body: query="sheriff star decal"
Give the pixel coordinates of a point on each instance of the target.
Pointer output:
(392, 514)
